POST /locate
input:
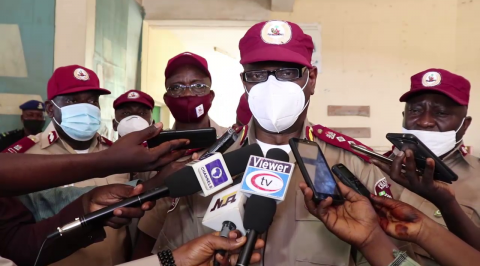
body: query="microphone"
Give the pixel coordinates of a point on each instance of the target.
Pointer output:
(225, 213)
(223, 143)
(209, 175)
(259, 212)
(268, 177)
(266, 180)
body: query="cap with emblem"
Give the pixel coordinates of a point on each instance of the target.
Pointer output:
(438, 80)
(186, 58)
(134, 96)
(71, 79)
(243, 110)
(276, 41)
(33, 105)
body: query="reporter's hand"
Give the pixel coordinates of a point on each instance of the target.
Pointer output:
(199, 252)
(400, 220)
(437, 192)
(101, 197)
(129, 153)
(355, 221)
(159, 179)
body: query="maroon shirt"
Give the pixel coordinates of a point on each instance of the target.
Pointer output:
(21, 238)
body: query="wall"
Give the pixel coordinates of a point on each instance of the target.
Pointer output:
(468, 61)
(166, 39)
(371, 48)
(116, 51)
(26, 55)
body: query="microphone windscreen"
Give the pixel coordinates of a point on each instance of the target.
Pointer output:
(278, 154)
(183, 183)
(259, 212)
(236, 161)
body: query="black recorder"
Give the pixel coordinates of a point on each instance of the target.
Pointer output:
(350, 180)
(315, 170)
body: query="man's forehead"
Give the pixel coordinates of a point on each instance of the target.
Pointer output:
(81, 94)
(187, 70)
(432, 98)
(33, 111)
(270, 65)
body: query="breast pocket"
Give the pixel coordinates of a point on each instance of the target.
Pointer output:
(314, 244)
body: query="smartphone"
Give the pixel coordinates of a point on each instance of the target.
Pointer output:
(421, 152)
(199, 138)
(350, 180)
(372, 154)
(315, 170)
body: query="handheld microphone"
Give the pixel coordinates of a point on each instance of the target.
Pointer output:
(266, 180)
(223, 143)
(184, 182)
(268, 177)
(259, 212)
(225, 213)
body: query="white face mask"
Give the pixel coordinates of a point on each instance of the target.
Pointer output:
(276, 104)
(131, 124)
(438, 142)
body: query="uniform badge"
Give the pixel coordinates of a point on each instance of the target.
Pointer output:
(382, 188)
(341, 139)
(464, 150)
(40, 107)
(173, 205)
(52, 136)
(200, 111)
(276, 32)
(133, 95)
(310, 133)
(17, 147)
(431, 79)
(81, 74)
(330, 134)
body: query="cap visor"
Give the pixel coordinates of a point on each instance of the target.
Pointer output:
(274, 53)
(451, 95)
(80, 89)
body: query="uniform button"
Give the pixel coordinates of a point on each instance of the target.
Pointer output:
(319, 131)
(437, 214)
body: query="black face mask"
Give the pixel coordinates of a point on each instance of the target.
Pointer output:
(33, 126)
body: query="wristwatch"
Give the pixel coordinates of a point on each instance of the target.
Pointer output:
(166, 258)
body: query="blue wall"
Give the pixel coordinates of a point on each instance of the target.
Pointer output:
(36, 20)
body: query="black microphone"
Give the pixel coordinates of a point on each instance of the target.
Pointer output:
(259, 212)
(183, 182)
(223, 143)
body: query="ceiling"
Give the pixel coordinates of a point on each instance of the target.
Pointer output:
(214, 9)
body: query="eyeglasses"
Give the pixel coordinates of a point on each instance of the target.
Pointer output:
(198, 89)
(283, 74)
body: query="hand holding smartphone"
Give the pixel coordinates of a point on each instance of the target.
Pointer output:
(199, 138)
(315, 170)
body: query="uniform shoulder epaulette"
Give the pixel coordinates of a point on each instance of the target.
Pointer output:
(338, 140)
(21, 146)
(106, 141)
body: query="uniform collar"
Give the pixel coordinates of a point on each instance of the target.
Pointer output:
(252, 138)
(50, 136)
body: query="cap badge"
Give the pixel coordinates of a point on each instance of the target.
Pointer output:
(431, 79)
(40, 107)
(133, 95)
(81, 74)
(276, 32)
